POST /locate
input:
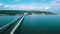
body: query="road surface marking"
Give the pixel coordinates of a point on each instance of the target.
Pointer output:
(9, 23)
(13, 30)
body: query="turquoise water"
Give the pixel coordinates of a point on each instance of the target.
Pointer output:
(35, 24)
(41, 25)
(6, 19)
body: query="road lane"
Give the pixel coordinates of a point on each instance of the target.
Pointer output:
(15, 28)
(5, 28)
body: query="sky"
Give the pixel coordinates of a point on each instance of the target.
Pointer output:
(42, 5)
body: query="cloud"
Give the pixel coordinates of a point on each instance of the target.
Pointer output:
(34, 6)
(25, 7)
(1, 4)
(47, 7)
(28, 6)
(53, 5)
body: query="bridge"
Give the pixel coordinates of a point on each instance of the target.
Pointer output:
(12, 27)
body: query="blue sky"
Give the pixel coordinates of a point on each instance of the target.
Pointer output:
(43, 5)
(24, 1)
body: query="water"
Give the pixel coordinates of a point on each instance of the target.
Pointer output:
(35, 24)
(6, 19)
(41, 25)
(8, 29)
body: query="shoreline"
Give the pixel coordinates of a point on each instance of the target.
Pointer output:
(44, 15)
(30, 15)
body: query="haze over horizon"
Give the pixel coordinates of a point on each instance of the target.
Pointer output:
(43, 5)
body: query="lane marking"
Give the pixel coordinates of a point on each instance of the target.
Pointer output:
(9, 23)
(14, 29)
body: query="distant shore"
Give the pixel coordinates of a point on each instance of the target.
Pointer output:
(43, 15)
(31, 15)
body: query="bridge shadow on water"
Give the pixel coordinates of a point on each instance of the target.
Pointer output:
(18, 30)
(8, 28)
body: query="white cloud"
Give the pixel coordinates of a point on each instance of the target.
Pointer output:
(54, 5)
(1, 4)
(25, 7)
(6, 6)
(33, 6)
(30, 6)
(47, 7)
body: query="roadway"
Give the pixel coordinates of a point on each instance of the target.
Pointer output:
(11, 28)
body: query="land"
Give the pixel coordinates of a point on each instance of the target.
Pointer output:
(21, 12)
